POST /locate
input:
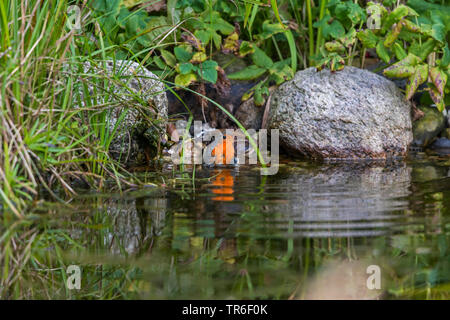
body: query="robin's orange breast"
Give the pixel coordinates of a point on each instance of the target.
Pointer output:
(224, 152)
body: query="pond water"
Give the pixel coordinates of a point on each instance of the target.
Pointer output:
(328, 230)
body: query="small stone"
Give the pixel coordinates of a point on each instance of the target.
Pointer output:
(426, 129)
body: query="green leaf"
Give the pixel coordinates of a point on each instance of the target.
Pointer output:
(198, 57)
(184, 80)
(281, 72)
(245, 48)
(261, 59)
(204, 36)
(183, 53)
(404, 68)
(334, 46)
(169, 58)
(185, 67)
(382, 52)
(249, 73)
(335, 29)
(445, 62)
(420, 76)
(208, 71)
(159, 62)
(392, 35)
(422, 50)
(368, 38)
(438, 78)
(270, 29)
(396, 15)
(399, 52)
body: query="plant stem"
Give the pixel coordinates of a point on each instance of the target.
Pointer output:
(323, 4)
(310, 30)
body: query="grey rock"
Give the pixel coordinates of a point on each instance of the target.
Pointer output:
(352, 113)
(426, 129)
(132, 89)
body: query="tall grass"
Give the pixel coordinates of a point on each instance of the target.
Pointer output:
(47, 140)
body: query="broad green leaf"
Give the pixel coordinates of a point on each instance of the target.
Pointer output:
(261, 59)
(270, 29)
(445, 62)
(183, 53)
(249, 73)
(368, 38)
(420, 76)
(396, 15)
(437, 98)
(198, 57)
(208, 71)
(382, 52)
(281, 72)
(335, 29)
(185, 68)
(404, 68)
(334, 46)
(204, 36)
(422, 50)
(169, 58)
(439, 79)
(349, 38)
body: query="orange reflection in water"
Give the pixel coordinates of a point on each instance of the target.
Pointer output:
(223, 184)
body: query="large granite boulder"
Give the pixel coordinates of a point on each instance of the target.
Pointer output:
(352, 113)
(135, 101)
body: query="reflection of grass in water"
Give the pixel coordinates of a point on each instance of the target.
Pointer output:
(186, 261)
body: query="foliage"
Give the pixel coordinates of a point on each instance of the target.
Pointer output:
(411, 39)
(205, 29)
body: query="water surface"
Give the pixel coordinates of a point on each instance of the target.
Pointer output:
(311, 231)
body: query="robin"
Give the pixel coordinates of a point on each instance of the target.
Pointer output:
(224, 152)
